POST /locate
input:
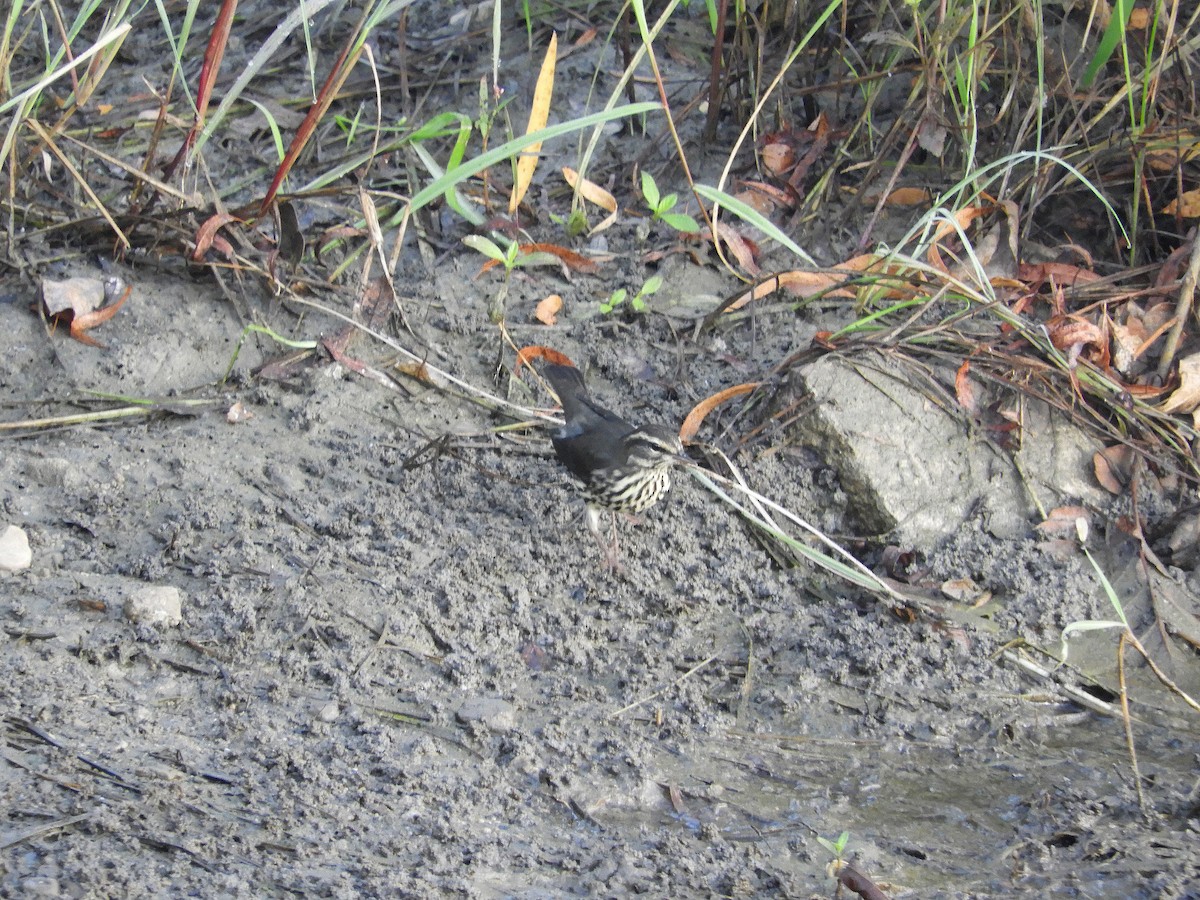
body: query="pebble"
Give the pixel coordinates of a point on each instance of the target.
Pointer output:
(491, 712)
(159, 606)
(15, 554)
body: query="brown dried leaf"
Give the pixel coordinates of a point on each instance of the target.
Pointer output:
(590, 191)
(77, 296)
(1112, 466)
(1186, 397)
(964, 389)
(548, 309)
(539, 112)
(742, 249)
(1186, 205)
(778, 158)
(908, 196)
(691, 425)
(1062, 520)
(207, 233)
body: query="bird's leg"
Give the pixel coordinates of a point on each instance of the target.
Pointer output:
(611, 550)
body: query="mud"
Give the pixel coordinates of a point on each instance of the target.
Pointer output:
(402, 668)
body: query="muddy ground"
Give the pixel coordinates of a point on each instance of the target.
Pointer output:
(402, 668)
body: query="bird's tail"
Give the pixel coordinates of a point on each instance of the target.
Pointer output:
(567, 382)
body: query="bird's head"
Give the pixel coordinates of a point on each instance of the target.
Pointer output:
(654, 446)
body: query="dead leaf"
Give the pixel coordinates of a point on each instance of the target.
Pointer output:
(778, 158)
(1063, 520)
(539, 112)
(1112, 466)
(590, 191)
(79, 302)
(691, 425)
(739, 246)
(964, 389)
(1186, 397)
(526, 355)
(908, 196)
(207, 235)
(1186, 205)
(548, 309)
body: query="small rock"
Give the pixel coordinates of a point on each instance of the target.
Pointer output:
(15, 554)
(491, 712)
(159, 606)
(329, 712)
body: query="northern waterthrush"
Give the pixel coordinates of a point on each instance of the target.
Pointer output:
(624, 468)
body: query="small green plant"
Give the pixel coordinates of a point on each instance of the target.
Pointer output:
(574, 224)
(660, 206)
(509, 256)
(638, 303)
(837, 847)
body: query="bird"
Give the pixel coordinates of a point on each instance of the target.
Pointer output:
(623, 467)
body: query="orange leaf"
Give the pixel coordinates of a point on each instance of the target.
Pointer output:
(1036, 274)
(80, 324)
(526, 356)
(908, 196)
(691, 425)
(548, 309)
(964, 390)
(1186, 205)
(572, 260)
(539, 112)
(802, 284)
(962, 219)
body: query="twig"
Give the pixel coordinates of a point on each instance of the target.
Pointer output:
(1183, 308)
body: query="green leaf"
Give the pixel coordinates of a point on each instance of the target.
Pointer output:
(650, 190)
(748, 213)
(1114, 34)
(680, 222)
(653, 283)
(486, 246)
(441, 125)
(577, 224)
(510, 148)
(666, 204)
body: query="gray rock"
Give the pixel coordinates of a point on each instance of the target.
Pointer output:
(912, 469)
(160, 606)
(491, 712)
